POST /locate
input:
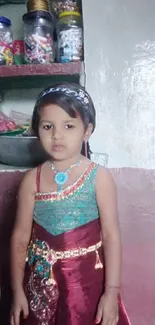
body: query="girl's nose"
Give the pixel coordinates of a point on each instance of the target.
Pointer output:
(57, 134)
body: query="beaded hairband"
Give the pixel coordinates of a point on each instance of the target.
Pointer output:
(80, 95)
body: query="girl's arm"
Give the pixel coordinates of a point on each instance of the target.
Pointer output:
(22, 230)
(107, 204)
(107, 313)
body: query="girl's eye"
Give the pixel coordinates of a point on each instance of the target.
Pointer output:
(47, 127)
(69, 126)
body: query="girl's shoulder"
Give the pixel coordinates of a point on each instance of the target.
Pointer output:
(32, 176)
(104, 177)
(103, 171)
(28, 182)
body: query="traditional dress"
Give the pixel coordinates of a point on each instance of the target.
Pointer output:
(64, 276)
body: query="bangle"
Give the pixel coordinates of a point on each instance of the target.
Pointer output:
(108, 286)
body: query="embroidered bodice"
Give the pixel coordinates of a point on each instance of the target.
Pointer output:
(73, 207)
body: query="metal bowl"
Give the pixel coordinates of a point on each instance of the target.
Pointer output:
(21, 151)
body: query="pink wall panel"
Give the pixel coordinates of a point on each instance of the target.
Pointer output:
(136, 198)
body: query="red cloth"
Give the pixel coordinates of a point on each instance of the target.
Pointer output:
(80, 284)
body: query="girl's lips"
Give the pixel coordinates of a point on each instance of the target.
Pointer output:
(57, 148)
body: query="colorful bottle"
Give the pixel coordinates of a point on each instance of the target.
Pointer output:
(6, 42)
(69, 37)
(38, 38)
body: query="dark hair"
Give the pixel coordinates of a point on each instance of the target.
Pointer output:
(69, 103)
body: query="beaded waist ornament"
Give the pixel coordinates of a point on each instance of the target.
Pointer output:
(42, 288)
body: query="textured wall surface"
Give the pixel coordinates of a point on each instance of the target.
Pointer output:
(120, 74)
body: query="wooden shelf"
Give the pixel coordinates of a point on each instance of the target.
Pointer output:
(41, 69)
(26, 76)
(7, 2)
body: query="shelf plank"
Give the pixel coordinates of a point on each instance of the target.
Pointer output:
(41, 69)
(7, 2)
(26, 76)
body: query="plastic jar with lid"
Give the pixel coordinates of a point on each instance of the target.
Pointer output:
(69, 37)
(38, 37)
(6, 42)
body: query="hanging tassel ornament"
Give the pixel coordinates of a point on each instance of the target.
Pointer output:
(86, 149)
(98, 264)
(51, 279)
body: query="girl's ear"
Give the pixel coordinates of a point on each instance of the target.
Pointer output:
(88, 132)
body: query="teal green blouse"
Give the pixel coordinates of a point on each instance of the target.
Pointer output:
(75, 206)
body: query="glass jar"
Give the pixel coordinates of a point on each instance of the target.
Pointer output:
(38, 38)
(69, 37)
(6, 42)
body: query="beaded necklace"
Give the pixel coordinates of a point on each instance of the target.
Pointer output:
(62, 177)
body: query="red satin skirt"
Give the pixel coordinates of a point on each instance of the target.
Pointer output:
(79, 285)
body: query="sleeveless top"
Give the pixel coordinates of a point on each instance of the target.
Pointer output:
(73, 207)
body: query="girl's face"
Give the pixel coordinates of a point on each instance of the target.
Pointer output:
(61, 135)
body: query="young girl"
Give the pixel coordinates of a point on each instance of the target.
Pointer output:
(66, 220)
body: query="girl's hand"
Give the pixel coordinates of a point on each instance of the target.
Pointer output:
(20, 304)
(107, 313)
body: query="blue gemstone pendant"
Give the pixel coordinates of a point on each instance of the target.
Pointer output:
(61, 178)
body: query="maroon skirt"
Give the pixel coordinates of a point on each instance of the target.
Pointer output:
(72, 297)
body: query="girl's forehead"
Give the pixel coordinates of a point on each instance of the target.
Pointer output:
(54, 111)
(51, 108)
